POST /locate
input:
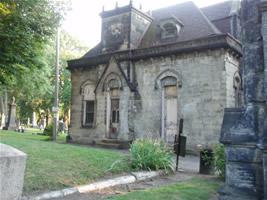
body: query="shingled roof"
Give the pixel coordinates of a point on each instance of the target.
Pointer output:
(195, 24)
(221, 10)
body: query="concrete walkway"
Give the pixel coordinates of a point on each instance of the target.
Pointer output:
(188, 167)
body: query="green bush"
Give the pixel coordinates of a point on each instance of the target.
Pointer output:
(49, 130)
(219, 160)
(148, 154)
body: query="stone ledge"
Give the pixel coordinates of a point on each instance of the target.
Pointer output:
(131, 178)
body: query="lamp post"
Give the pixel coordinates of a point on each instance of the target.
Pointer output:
(55, 108)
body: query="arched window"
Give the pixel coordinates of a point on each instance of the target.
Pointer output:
(88, 104)
(170, 28)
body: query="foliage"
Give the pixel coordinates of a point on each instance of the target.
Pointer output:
(219, 160)
(49, 130)
(148, 154)
(207, 156)
(27, 55)
(52, 166)
(194, 189)
(70, 48)
(34, 91)
(25, 27)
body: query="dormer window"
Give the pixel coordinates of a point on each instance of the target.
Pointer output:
(170, 28)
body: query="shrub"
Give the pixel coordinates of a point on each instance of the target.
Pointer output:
(219, 160)
(148, 154)
(49, 130)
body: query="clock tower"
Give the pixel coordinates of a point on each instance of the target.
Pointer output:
(123, 28)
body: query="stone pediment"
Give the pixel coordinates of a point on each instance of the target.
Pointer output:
(113, 76)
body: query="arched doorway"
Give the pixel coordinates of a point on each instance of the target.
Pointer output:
(169, 81)
(112, 92)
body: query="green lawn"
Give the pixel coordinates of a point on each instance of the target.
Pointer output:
(195, 189)
(55, 165)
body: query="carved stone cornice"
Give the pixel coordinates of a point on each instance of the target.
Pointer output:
(202, 44)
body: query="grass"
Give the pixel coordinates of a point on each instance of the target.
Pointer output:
(55, 165)
(194, 189)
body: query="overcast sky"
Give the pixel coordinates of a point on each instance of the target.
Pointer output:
(84, 23)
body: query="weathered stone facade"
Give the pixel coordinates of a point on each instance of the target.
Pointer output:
(135, 91)
(244, 130)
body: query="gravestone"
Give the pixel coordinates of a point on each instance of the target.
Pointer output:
(243, 131)
(12, 168)
(11, 123)
(3, 121)
(34, 123)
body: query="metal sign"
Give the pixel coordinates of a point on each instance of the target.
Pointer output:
(55, 109)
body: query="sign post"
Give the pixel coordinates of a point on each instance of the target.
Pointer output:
(179, 144)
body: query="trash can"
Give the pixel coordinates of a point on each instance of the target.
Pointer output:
(206, 162)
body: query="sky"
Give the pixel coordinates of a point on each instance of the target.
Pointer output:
(84, 23)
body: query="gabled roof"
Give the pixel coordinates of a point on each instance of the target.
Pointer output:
(196, 24)
(221, 10)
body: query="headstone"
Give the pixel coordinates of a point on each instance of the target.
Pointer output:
(11, 123)
(28, 122)
(12, 169)
(34, 123)
(3, 121)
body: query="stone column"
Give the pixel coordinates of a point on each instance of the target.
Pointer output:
(242, 129)
(107, 113)
(124, 104)
(162, 128)
(263, 146)
(11, 124)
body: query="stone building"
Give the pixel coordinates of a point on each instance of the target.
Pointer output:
(152, 69)
(244, 130)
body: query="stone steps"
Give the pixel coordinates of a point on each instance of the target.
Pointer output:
(112, 143)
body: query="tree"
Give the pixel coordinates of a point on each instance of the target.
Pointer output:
(70, 48)
(35, 90)
(25, 27)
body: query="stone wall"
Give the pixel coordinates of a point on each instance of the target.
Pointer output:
(206, 89)
(207, 86)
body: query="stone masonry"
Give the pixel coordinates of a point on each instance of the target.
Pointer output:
(140, 81)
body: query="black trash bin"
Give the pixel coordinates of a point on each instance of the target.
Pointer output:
(206, 162)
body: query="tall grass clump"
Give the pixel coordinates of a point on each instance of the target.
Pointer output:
(219, 160)
(149, 154)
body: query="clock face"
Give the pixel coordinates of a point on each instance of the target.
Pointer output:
(113, 35)
(115, 29)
